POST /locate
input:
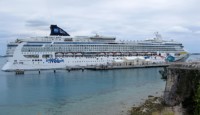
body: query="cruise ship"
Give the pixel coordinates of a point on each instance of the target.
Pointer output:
(60, 50)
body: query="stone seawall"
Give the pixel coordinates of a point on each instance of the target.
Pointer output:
(181, 85)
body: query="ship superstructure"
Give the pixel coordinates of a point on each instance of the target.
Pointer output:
(60, 50)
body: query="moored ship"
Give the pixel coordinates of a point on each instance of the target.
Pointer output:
(60, 50)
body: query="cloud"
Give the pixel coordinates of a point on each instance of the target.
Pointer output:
(179, 29)
(128, 19)
(197, 32)
(36, 23)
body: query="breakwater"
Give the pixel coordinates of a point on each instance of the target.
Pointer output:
(182, 86)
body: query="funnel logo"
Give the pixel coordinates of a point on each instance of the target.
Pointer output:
(55, 30)
(170, 58)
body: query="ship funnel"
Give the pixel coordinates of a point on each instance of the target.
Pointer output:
(56, 31)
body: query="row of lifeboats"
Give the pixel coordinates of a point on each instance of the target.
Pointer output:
(103, 53)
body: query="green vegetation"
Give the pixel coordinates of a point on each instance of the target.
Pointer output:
(197, 101)
(164, 112)
(153, 104)
(186, 90)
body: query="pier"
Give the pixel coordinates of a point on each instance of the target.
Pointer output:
(74, 68)
(18, 72)
(172, 65)
(109, 67)
(97, 67)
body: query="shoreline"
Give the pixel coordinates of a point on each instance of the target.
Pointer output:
(155, 106)
(126, 108)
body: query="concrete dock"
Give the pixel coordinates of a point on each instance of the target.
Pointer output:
(108, 67)
(96, 67)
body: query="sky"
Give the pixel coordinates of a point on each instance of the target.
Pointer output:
(125, 19)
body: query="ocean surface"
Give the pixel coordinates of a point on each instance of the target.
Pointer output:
(104, 92)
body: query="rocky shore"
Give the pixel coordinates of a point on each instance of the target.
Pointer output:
(182, 90)
(155, 106)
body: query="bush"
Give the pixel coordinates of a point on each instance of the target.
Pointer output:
(197, 101)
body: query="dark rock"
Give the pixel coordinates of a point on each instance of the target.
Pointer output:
(181, 86)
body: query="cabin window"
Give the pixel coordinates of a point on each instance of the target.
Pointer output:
(31, 56)
(47, 56)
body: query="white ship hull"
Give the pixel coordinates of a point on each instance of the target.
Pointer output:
(66, 62)
(70, 62)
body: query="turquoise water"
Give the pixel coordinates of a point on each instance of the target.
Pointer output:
(110, 92)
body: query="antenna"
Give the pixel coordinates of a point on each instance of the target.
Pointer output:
(158, 36)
